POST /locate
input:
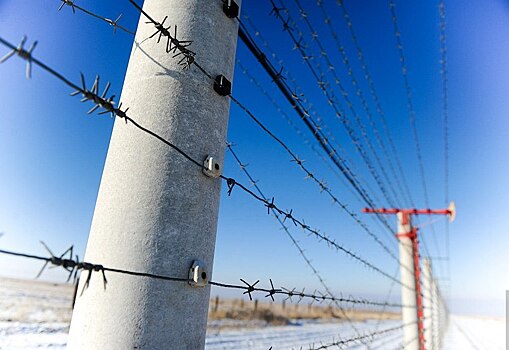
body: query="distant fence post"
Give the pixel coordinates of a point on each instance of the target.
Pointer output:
(427, 302)
(409, 285)
(156, 212)
(216, 305)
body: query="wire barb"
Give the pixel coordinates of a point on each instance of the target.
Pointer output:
(24, 54)
(100, 101)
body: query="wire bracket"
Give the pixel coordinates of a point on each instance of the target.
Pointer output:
(222, 85)
(211, 167)
(230, 8)
(198, 274)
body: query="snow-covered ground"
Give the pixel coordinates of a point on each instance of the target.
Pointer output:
(475, 333)
(35, 315)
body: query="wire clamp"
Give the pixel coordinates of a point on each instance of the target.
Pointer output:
(211, 167)
(230, 8)
(198, 274)
(222, 85)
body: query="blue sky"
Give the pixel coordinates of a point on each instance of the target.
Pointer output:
(52, 153)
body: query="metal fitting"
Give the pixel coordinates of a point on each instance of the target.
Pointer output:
(230, 8)
(198, 274)
(211, 167)
(222, 85)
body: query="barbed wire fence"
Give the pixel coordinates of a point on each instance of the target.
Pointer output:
(187, 59)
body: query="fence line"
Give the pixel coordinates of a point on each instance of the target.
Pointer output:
(108, 106)
(74, 265)
(294, 241)
(372, 89)
(360, 94)
(445, 114)
(288, 26)
(299, 95)
(411, 111)
(315, 37)
(296, 103)
(186, 58)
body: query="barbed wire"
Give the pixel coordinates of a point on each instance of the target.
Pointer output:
(320, 123)
(295, 243)
(387, 298)
(73, 265)
(113, 23)
(315, 37)
(355, 83)
(409, 95)
(289, 26)
(445, 114)
(179, 48)
(299, 132)
(108, 106)
(386, 341)
(296, 103)
(368, 336)
(288, 214)
(412, 114)
(323, 186)
(377, 101)
(372, 89)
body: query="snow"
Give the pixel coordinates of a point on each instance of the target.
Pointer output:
(36, 315)
(302, 333)
(475, 333)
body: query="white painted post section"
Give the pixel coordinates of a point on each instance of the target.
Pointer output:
(427, 291)
(156, 212)
(436, 315)
(408, 295)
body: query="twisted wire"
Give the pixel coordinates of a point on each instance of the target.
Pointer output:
(369, 336)
(295, 102)
(372, 90)
(321, 184)
(355, 83)
(298, 131)
(409, 95)
(287, 75)
(411, 113)
(445, 114)
(332, 69)
(295, 243)
(320, 78)
(113, 23)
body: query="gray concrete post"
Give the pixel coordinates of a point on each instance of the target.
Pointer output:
(156, 212)
(427, 291)
(408, 295)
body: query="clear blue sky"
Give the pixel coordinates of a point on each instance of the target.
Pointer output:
(52, 153)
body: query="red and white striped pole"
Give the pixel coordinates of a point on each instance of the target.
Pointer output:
(411, 292)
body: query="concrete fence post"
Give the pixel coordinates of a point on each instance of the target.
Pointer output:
(436, 316)
(427, 291)
(408, 294)
(156, 212)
